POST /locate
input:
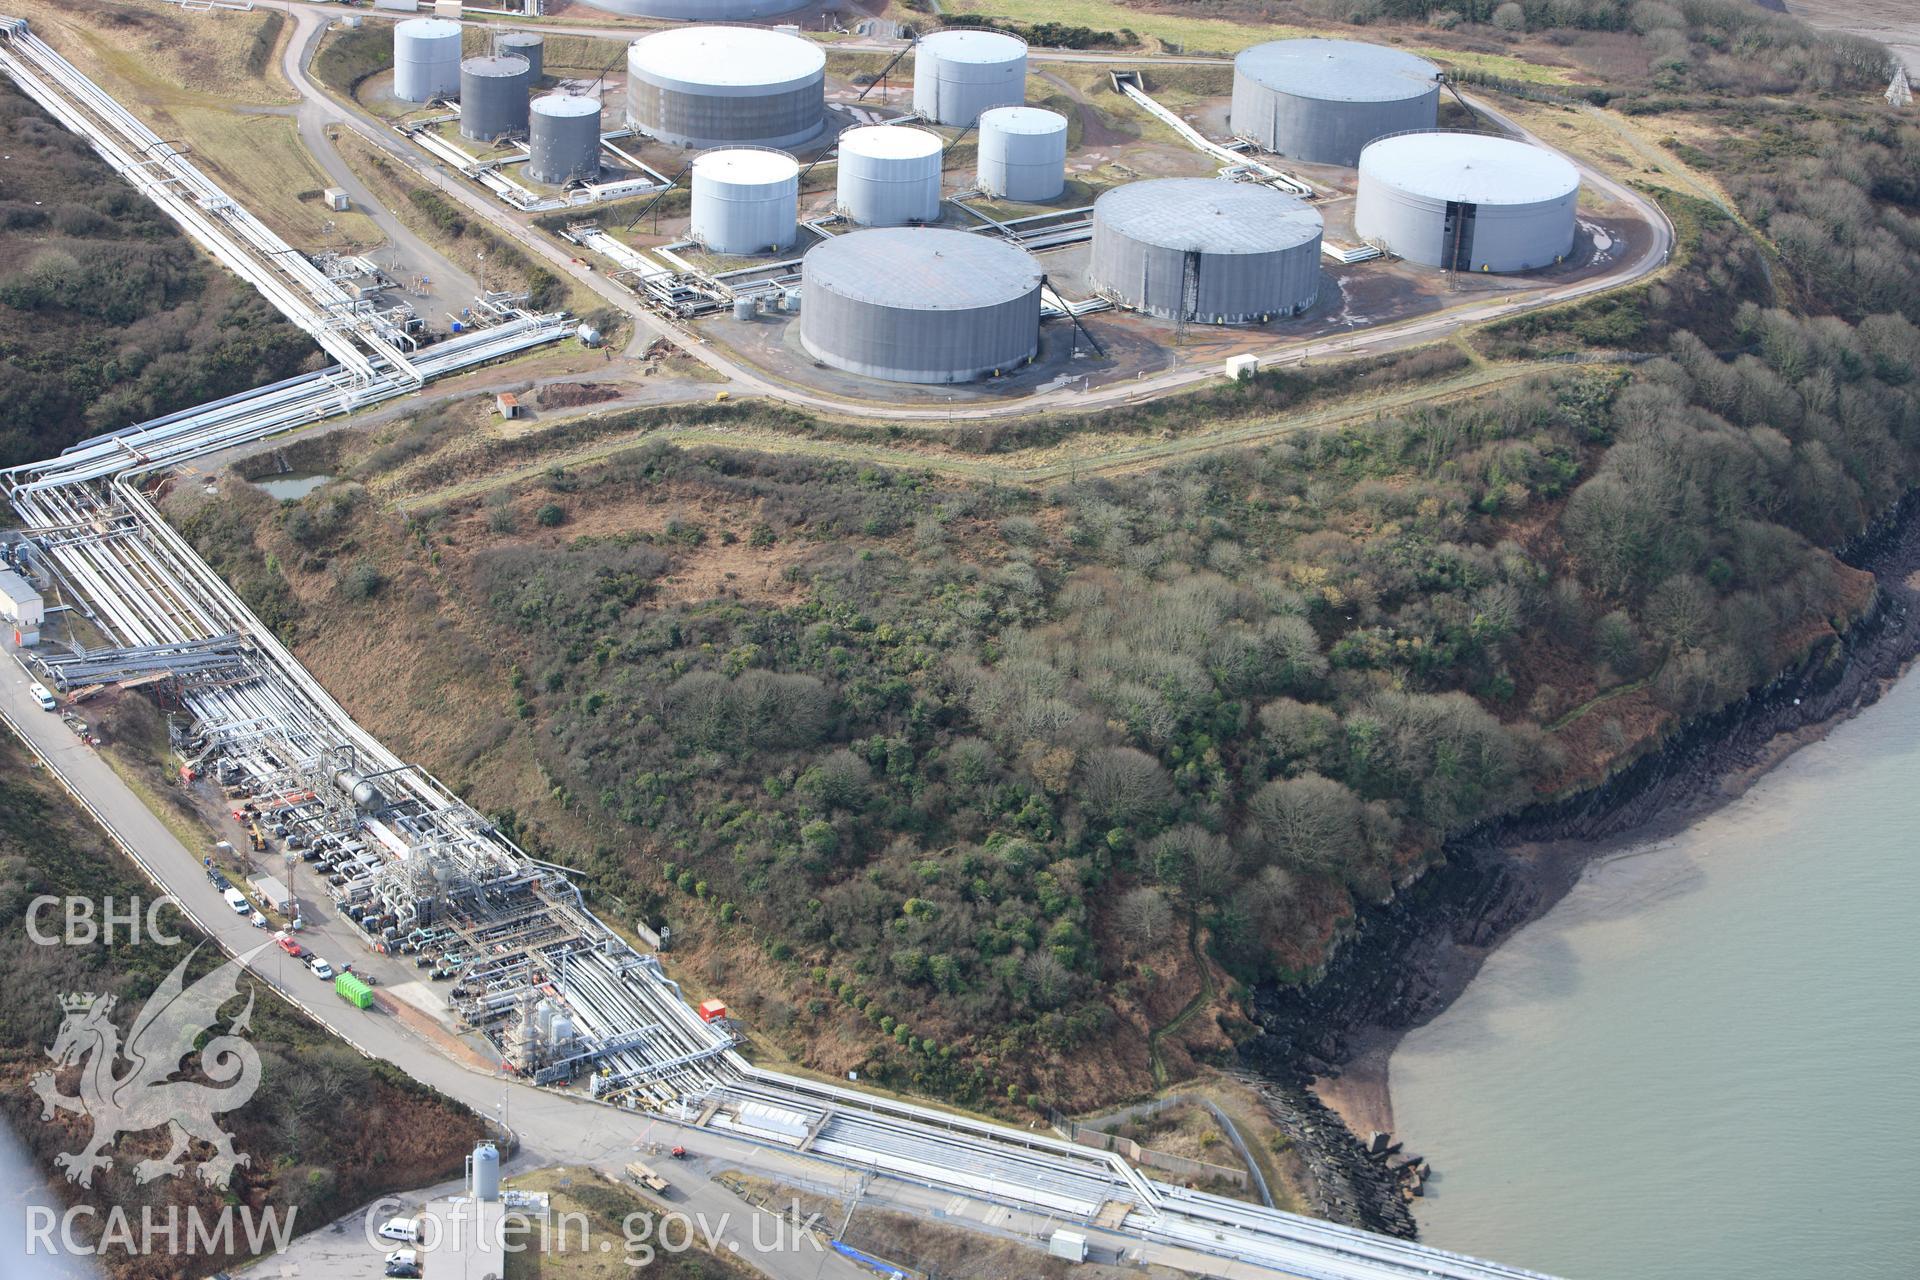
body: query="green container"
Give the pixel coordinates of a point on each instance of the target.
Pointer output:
(353, 991)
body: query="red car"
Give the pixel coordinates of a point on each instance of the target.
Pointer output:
(288, 945)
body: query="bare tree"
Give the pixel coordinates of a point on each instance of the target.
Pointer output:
(1049, 979)
(1146, 914)
(1124, 785)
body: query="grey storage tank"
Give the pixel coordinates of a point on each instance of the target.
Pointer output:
(959, 74)
(746, 200)
(1206, 251)
(726, 86)
(564, 139)
(920, 304)
(493, 96)
(1023, 153)
(426, 59)
(526, 44)
(1467, 201)
(889, 175)
(1321, 101)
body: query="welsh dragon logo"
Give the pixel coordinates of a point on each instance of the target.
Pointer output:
(145, 1097)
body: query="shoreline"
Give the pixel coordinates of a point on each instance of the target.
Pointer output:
(1328, 1047)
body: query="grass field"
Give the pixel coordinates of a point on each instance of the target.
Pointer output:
(261, 162)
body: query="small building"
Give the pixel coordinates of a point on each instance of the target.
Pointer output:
(507, 404)
(713, 1011)
(1240, 368)
(447, 9)
(336, 199)
(272, 892)
(1070, 1245)
(21, 607)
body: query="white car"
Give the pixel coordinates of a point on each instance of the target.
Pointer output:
(321, 969)
(403, 1257)
(238, 901)
(406, 1229)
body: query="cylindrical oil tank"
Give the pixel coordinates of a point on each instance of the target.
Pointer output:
(745, 308)
(699, 10)
(920, 304)
(1321, 101)
(485, 1184)
(564, 139)
(364, 794)
(1467, 201)
(527, 44)
(1023, 153)
(1205, 250)
(426, 59)
(746, 200)
(726, 86)
(959, 74)
(493, 96)
(889, 175)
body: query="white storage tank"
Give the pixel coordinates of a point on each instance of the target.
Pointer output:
(484, 1183)
(1023, 153)
(889, 175)
(426, 59)
(959, 74)
(746, 200)
(1206, 251)
(526, 44)
(493, 96)
(1467, 201)
(563, 139)
(920, 304)
(706, 87)
(1321, 101)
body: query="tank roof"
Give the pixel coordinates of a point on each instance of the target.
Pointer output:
(922, 269)
(1475, 168)
(745, 165)
(427, 28)
(729, 57)
(520, 38)
(1208, 215)
(1023, 120)
(891, 142)
(496, 64)
(566, 104)
(1338, 70)
(974, 46)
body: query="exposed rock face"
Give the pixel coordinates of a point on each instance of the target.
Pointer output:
(1405, 961)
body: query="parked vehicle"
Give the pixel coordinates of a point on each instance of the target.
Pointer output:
(237, 900)
(321, 969)
(288, 945)
(42, 695)
(403, 1229)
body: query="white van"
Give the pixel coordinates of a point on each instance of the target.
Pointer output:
(42, 695)
(407, 1229)
(238, 901)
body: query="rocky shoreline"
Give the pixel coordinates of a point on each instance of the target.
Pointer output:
(1405, 961)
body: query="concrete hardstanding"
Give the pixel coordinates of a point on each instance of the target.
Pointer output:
(920, 305)
(1205, 250)
(1023, 153)
(745, 201)
(1322, 101)
(526, 44)
(426, 59)
(493, 96)
(959, 74)
(707, 87)
(1467, 202)
(889, 175)
(564, 138)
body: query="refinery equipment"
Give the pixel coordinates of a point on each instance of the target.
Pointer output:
(493, 96)
(1023, 153)
(426, 59)
(526, 44)
(483, 1172)
(959, 74)
(920, 304)
(1206, 251)
(563, 139)
(889, 175)
(706, 87)
(746, 200)
(1467, 201)
(1323, 100)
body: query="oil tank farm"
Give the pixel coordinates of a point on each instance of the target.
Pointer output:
(526, 44)
(493, 96)
(698, 10)
(1321, 101)
(426, 59)
(563, 139)
(889, 175)
(1023, 153)
(746, 200)
(1206, 251)
(1467, 201)
(704, 87)
(959, 74)
(920, 304)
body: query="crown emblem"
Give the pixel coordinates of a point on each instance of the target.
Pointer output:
(78, 1002)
